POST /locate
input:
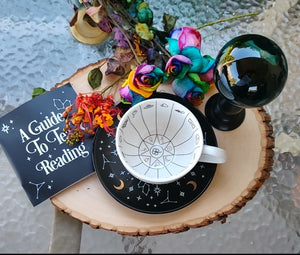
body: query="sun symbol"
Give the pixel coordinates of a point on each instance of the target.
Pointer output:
(156, 151)
(5, 128)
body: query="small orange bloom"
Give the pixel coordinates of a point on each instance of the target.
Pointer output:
(92, 111)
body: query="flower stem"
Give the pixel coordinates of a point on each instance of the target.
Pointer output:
(127, 39)
(116, 81)
(112, 84)
(161, 48)
(228, 19)
(123, 32)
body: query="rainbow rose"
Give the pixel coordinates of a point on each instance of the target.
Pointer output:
(183, 37)
(178, 66)
(141, 83)
(189, 61)
(185, 48)
(191, 88)
(191, 71)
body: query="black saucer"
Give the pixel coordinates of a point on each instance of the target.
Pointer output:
(146, 197)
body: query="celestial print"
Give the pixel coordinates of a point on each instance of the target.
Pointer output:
(5, 128)
(157, 151)
(120, 187)
(33, 140)
(61, 105)
(145, 197)
(38, 187)
(159, 140)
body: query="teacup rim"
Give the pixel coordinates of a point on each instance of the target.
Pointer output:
(155, 180)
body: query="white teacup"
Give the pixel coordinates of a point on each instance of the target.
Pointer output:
(160, 140)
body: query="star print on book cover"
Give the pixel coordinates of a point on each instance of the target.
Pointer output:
(33, 139)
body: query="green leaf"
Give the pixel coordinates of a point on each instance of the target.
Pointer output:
(37, 91)
(96, 3)
(162, 35)
(95, 77)
(169, 22)
(143, 31)
(145, 15)
(201, 84)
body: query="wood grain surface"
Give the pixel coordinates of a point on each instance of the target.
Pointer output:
(250, 160)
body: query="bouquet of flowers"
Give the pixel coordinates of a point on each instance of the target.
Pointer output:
(172, 54)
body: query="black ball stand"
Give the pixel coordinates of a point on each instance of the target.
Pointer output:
(250, 71)
(222, 114)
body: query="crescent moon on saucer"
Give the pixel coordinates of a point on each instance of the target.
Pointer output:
(121, 186)
(193, 183)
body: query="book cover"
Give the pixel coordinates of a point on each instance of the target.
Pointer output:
(33, 139)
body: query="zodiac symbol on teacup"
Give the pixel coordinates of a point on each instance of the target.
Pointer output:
(164, 105)
(197, 138)
(180, 111)
(148, 106)
(125, 123)
(156, 151)
(191, 123)
(134, 113)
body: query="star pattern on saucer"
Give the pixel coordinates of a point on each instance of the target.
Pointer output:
(145, 197)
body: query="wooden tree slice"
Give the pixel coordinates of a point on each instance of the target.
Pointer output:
(250, 160)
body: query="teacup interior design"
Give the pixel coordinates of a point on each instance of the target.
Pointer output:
(159, 140)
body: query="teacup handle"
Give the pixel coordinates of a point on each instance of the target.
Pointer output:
(213, 154)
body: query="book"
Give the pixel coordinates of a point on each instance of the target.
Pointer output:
(33, 139)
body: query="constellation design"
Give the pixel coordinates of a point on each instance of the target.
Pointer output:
(38, 187)
(59, 104)
(105, 161)
(145, 187)
(113, 141)
(114, 152)
(167, 200)
(140, 195)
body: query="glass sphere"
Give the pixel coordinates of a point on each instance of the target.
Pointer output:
(250, 70)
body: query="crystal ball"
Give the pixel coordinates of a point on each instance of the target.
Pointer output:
(250, 70)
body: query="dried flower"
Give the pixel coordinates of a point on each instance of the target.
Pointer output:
(91, 111)
(135, 36)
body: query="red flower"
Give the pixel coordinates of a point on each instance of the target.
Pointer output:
(91, 111)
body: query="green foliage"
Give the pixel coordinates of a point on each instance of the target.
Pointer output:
(37, 91)
(95, 77)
